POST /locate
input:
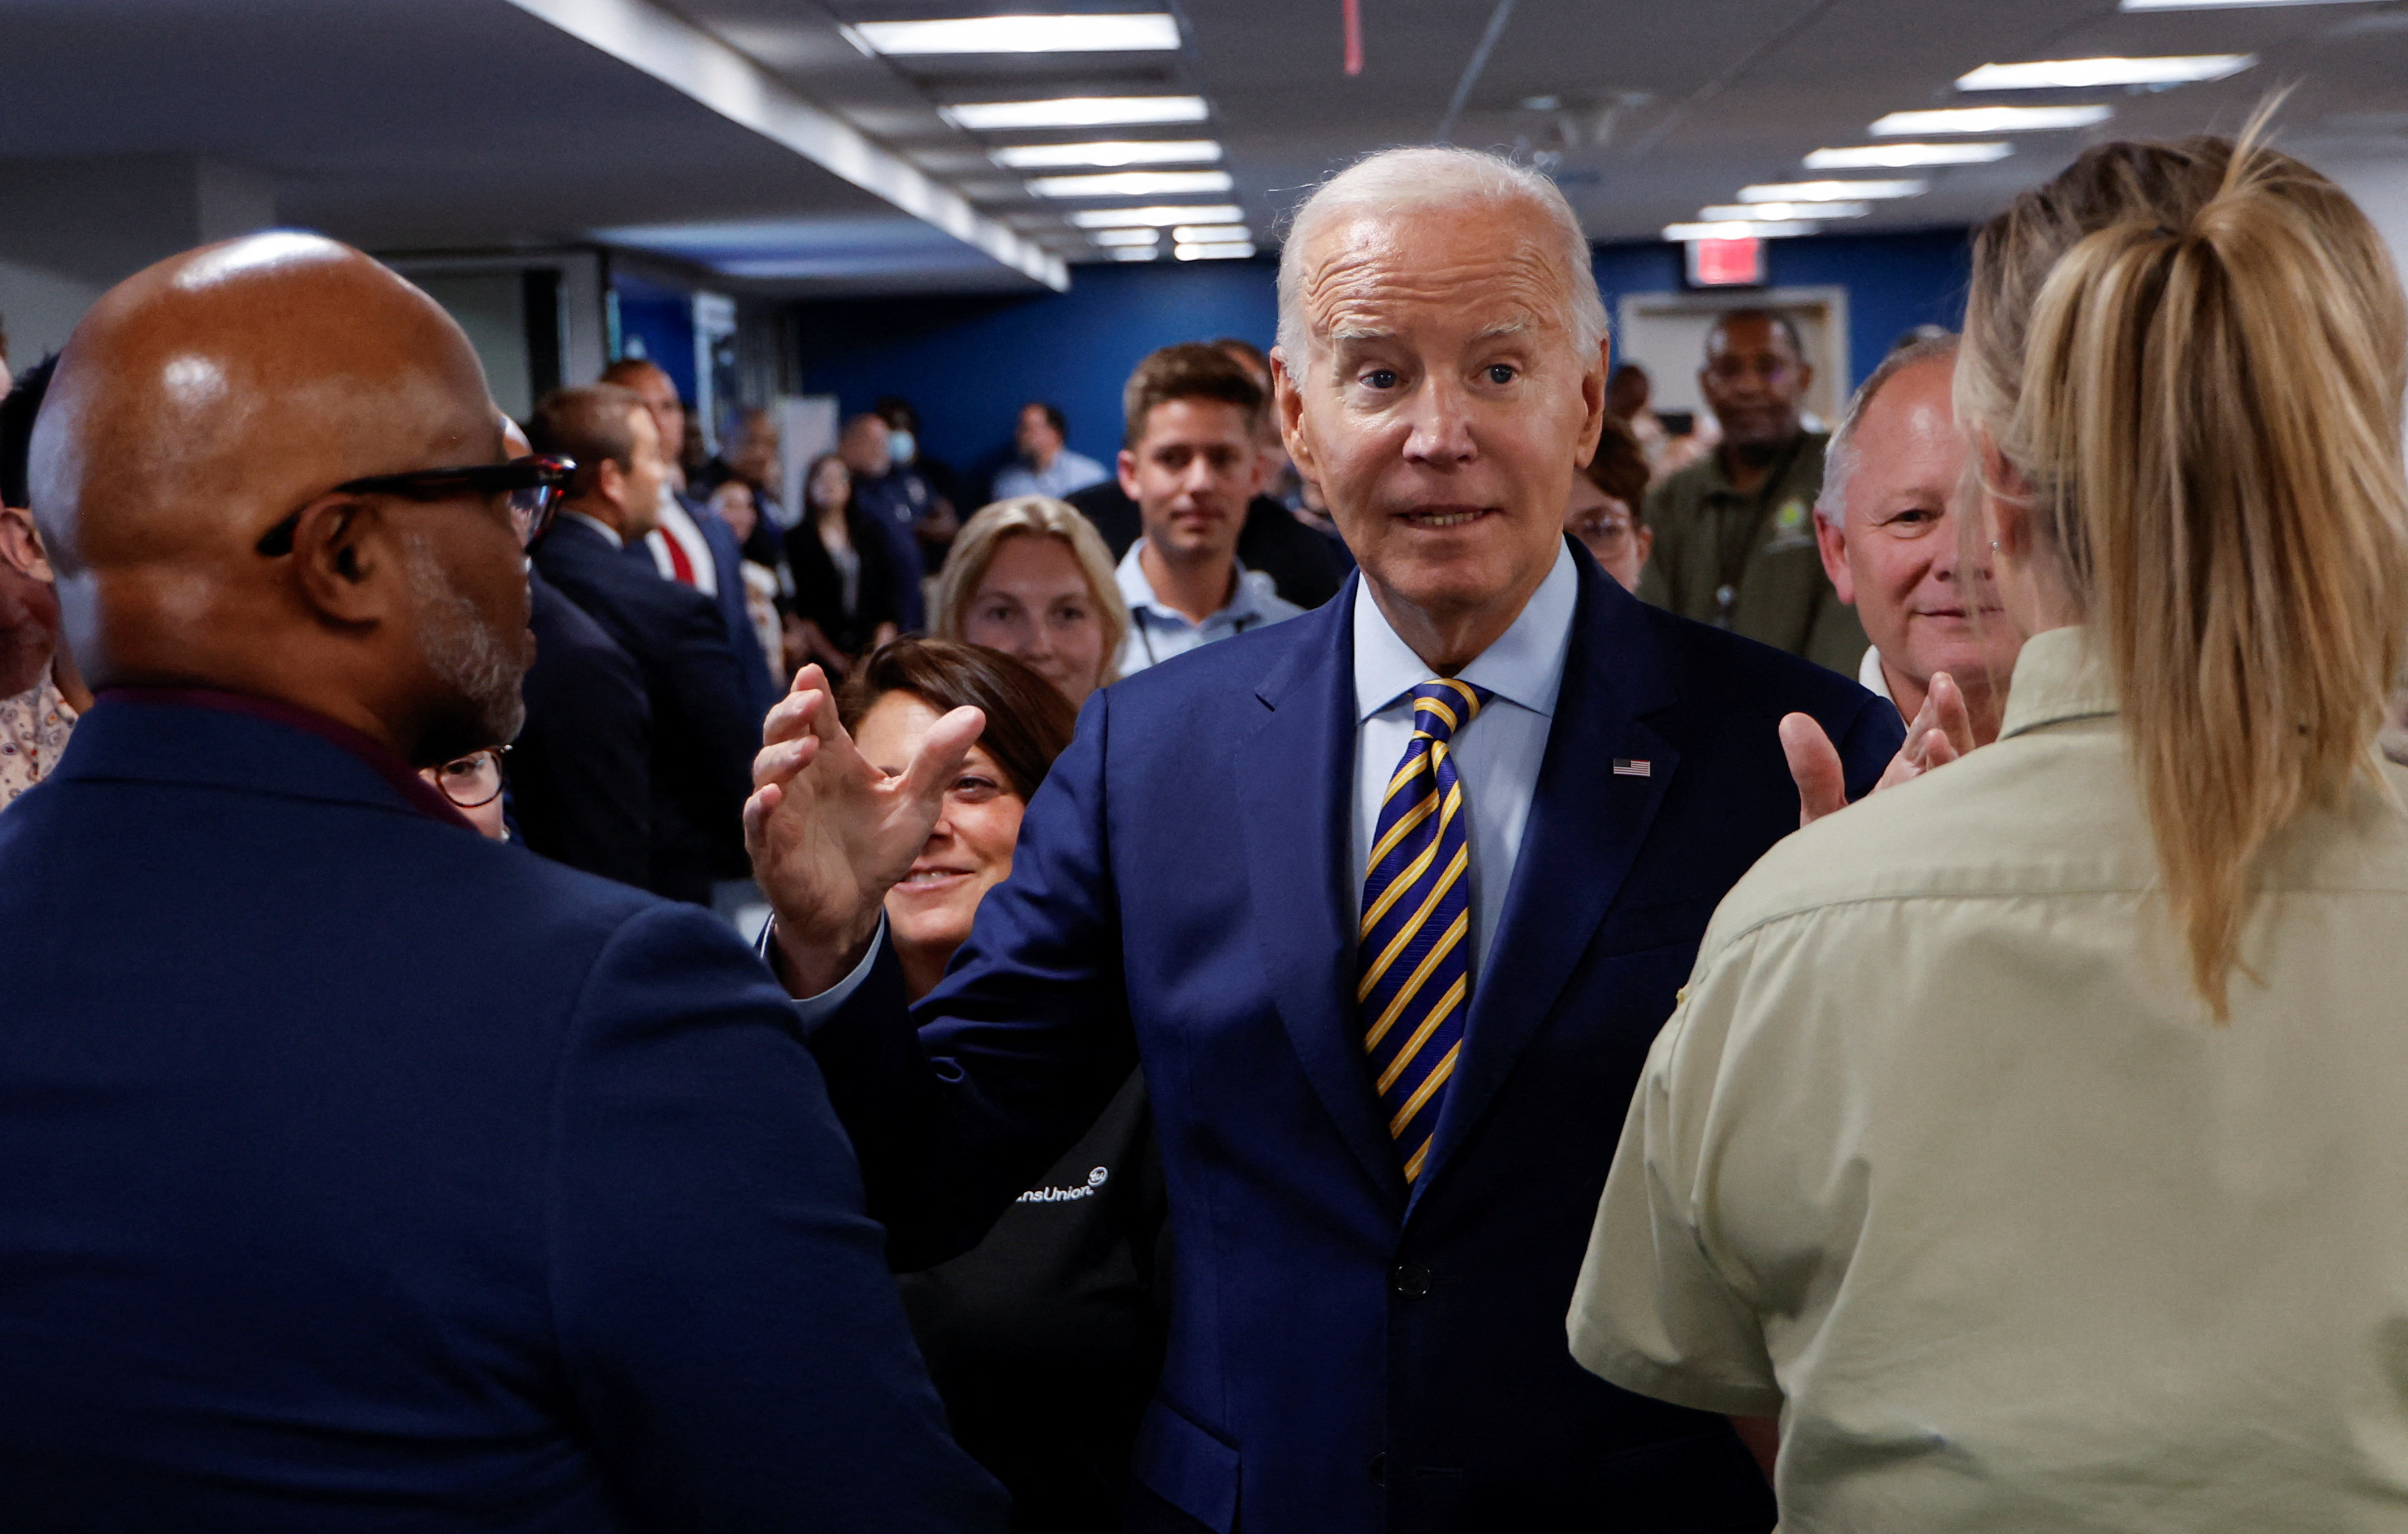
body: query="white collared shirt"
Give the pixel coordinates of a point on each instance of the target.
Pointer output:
(1496, 756)
(679, 524)
(1871, 677)
(1157, 631)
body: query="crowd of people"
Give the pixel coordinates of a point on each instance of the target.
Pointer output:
(1208, 1064)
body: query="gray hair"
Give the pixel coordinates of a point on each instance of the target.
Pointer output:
(1402, 181)
(1840, 458)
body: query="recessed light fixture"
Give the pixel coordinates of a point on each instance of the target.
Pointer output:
(1782, 213)
(1158, 217)
(2090, 74)
(1831, 192)
(1217, 251)
(1205, 234)
(1151, 33)
(1125, 236)
(1073, 112)
(1905, 156)
(1141, 252)
(1166, 151)
(1132, 183)
(1989, 120)
(2225, 5)
(1682, 233)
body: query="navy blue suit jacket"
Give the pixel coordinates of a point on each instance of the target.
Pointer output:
(762, 687)
(580, 771)
(365, 1174)
(704, 731)
(1348, 1356)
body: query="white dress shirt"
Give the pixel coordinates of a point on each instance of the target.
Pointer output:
(1871, 677)
(1496, 756)
(1066, 475)
(677, 522)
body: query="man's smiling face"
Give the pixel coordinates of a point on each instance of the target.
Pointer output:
(1444, 403)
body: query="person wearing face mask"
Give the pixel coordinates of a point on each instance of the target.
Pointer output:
(1045, 1339)
(940, 521)
(1032, 577)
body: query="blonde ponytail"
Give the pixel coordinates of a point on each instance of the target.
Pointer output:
(2195, 356)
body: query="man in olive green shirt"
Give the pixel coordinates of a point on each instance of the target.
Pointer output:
(1735, 532)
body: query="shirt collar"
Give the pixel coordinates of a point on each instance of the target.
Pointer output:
(2058, 676)
(1525, 664)
(1138, 592)
(384, 762)
(597, 524)
(1871, 677)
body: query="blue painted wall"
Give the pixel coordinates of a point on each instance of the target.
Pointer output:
(657, 324)
(969, 364)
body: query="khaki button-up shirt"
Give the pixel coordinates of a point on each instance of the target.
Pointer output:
(1748, 563)
(1942, 1159)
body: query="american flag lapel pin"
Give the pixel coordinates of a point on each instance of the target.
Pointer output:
(1624, 767)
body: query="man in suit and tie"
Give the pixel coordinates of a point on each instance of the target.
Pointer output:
(702, 726)
(692, 544)
(1389, 899)
(365, 1173)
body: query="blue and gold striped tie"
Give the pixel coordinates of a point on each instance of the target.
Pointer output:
(1415, 947)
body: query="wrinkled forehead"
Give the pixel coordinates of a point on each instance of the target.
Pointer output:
(1434, 274)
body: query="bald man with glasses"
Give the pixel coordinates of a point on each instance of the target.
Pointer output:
(365, 1173)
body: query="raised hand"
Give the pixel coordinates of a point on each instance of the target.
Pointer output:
(1942, 732)
(829, 834)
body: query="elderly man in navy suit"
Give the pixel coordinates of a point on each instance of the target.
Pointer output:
(363, 1173)
(1389, 899)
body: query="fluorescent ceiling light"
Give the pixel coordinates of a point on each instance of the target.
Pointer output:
(1143, 252)
(2089, 74)
(2225, 5)
(1073, 112)
(1167, 152)
(1989, 120)
(1132, 183)
(1782, 213)
(1218, 251)
(1206, 234)
(1682, 233)
(1903, 156)
(1125, 236)
(1159, 218)
(1831, 192)
(1152, 33)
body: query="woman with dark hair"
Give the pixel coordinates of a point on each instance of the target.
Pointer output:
(1045, 1339)
(1608, 495)
(845, 594)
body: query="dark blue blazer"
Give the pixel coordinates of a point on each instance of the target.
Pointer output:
(704, 731)
(1345, 1356)
(580, 771)
(364, 1174)
(762, 687)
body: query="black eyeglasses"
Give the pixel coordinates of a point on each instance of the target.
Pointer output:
(533, 485)
(473, 780)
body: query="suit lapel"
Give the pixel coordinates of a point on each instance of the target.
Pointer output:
(1585, 827)
(1296, 771)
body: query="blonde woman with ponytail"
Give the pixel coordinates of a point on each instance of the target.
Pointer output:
(2032, 1141)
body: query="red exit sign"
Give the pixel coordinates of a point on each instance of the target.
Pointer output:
(1726, 263)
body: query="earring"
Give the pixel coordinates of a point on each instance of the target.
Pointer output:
(1994, 546)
